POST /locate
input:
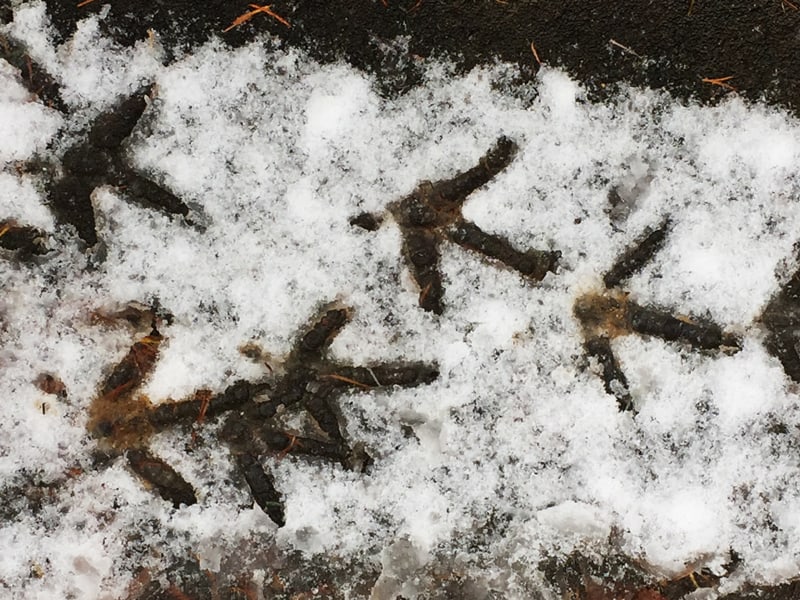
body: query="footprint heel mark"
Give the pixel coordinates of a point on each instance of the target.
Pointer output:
(70, 200)
(432, 214)
(421, 251)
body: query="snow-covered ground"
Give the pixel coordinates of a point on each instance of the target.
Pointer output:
(516, 452)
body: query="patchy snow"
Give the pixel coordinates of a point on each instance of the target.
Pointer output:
(274, 153)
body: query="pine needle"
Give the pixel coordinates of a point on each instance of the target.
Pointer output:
(241, 19)
(720, 81)
(348, 380)
(535, 54)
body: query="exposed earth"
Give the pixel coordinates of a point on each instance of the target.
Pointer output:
(667, 45)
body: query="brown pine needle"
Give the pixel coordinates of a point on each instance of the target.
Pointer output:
(348, 380)
(720, 81)
(791, 5)
(536, 54)
(241, 19)
(4, 229)
(84, 3)
(205, 399)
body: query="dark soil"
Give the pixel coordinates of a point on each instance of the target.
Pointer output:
(671, 45)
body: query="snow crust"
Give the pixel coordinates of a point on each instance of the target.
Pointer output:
(275, 153)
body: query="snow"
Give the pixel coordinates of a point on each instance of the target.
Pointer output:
(274, 153)
(18, 141)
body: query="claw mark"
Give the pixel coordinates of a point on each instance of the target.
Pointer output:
(609, 314)
(99, 160)
(309, 382)
(432, 213)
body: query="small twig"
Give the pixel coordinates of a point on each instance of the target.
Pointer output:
(627, 49)
(205, 399)
(266, 9)
(536, 54)
(720, 81)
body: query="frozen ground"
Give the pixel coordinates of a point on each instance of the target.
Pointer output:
(515, 453)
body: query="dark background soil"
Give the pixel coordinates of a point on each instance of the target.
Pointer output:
(678, 43)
